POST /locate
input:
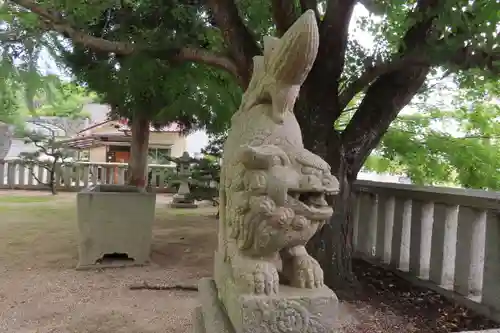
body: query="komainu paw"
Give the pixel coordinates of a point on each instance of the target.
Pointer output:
(257, 276)
(306, 272)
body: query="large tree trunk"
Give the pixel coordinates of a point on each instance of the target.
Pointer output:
(138, 162)
(346, 153)
(332, 246)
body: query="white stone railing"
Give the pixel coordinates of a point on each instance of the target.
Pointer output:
(14, 174)
(444, 238)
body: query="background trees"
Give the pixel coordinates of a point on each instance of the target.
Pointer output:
(66, 99)
(138, 85)
(143, 89)
(61, 99)
(453, 143)
(48, 156)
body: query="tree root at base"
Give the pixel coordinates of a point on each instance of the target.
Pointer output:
(146, 286)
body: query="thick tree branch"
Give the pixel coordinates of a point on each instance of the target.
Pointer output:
(240, 42)
(373, 6)
(334, 31)
(318, 107)
(55, 22)
(311, 4)
(366, 78)
(284, 14)
(380, 106)
(464, 59)
(388, 94)
(202, 56)
(468, 57)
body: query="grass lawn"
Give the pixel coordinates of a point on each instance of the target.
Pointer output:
(25, 199)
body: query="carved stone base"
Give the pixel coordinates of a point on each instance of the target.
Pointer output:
(293, 310)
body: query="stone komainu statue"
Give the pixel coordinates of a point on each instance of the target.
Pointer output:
(272, 193)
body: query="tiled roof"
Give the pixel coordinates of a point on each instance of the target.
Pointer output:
(124, 127)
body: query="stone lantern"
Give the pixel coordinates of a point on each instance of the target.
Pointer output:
(182, 198)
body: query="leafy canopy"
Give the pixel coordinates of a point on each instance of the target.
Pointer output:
(67, 100)
(142, 47)
(165, 91)
(456, 144)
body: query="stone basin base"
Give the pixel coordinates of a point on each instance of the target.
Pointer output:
(114, 221)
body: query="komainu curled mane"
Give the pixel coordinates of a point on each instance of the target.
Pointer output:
(272, 189)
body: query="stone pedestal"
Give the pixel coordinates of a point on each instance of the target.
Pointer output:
(292, 310)
(114, 219)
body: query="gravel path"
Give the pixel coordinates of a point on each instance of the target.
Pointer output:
(70, 301)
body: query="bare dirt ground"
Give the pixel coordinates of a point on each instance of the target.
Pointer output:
(41, 292)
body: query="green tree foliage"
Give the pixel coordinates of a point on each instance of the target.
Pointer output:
(152, 82)
(21, 45)
(140, 87)
(148, 32)
(9, 107)
(205, 178)
(61, 99)
(202, 177)
(26, 89)
(215, 145)
(67, 100)
(457, 144)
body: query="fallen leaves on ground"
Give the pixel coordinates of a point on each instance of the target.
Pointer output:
(384, 302)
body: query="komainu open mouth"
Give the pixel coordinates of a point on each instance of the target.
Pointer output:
(310, 204)
(312, 199)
